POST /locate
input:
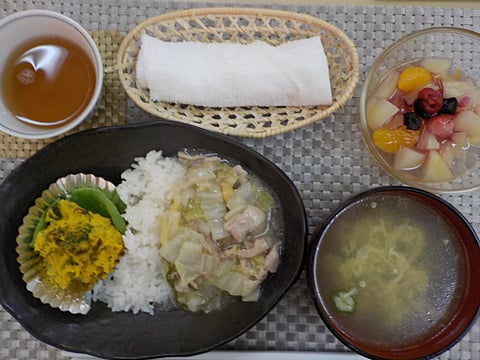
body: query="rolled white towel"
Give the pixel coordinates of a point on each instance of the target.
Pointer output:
(229, 74)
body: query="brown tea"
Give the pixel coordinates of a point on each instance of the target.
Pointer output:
(48, 81)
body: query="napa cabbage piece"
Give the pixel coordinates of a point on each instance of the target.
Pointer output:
(217, 234)
(381, 261)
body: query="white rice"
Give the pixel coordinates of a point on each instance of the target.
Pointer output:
(138, 283)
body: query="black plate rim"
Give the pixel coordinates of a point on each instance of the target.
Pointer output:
(152, 124)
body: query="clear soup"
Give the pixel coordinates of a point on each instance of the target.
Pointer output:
(396, 263)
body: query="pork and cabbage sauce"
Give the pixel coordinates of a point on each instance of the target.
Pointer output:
(220, 233)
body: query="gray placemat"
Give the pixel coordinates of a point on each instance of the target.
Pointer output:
(327, 160)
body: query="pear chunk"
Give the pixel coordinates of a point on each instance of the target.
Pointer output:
(469, 122)
(427, 141)
(461, 139)
(389, 85)
(379, 112)
(437, 65)
(458, 88)
(436, 169)
(407, 159)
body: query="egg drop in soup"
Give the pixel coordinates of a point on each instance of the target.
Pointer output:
(48, 81)
(382, 272)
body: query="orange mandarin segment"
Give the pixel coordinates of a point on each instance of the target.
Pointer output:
(391, 140)
(413, 78)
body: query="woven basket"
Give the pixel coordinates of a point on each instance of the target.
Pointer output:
(242, 25)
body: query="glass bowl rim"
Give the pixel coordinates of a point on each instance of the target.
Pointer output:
(363, 100)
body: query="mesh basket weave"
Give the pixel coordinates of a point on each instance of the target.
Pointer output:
(242, 25)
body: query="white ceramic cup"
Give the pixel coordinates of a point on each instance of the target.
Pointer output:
(21, 27)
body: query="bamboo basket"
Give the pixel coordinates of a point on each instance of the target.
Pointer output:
(242, 25)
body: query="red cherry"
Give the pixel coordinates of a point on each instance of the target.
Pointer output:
(429, 101)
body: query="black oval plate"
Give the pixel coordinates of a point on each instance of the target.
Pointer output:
(107, 152)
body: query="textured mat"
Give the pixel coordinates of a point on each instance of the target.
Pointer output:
(327, 160)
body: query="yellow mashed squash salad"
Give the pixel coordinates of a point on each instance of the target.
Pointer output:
(78, 247)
